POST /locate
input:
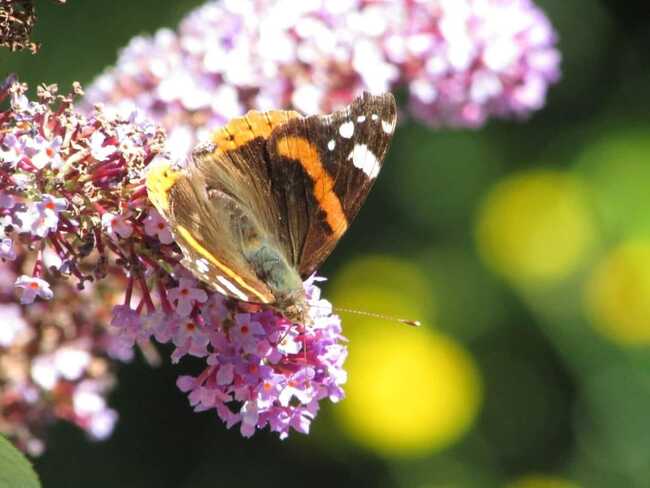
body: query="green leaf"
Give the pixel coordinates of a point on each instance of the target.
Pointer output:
(15, 469)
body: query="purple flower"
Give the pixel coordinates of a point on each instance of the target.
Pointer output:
(166, 329)
(33, 287)
(6, 200)
(63, 248)
(117, 225)
(488, 58)
(71, 361)
(155, 226)
(68, 362)
(90, 407)
(11, 150)
(249, 418)
(247, 332)
(299, 386)
(186, 295)
(98, 150)
(130, 325)
(7, 250)
(125, 317)
(190, 338)
(45, 152)
(461, 62)
(93, 231)
(37, 219)
(279, 371)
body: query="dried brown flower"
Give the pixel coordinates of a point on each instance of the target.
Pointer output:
(17, 19)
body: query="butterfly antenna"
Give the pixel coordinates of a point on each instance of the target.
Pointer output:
(412, 323)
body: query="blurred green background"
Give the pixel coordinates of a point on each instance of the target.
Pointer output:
(523, 247)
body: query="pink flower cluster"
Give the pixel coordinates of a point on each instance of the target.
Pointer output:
(82, 247)
(57, 168)
(460, 61)
(53, 363)
(261, 369)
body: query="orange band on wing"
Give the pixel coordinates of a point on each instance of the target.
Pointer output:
(306, 154)
(254, 124)
(185, 234)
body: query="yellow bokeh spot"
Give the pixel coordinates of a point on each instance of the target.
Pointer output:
(541, 481)
(617, 294)
(535, 227)
(410, 391)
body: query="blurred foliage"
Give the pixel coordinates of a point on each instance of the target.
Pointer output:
(534, 481)
(15, 469)
(523, 248)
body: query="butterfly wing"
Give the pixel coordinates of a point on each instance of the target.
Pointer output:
(199, 223)
(322, 168)
(266, 203)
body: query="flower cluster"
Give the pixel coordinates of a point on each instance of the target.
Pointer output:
(273, 372)
(57, 169)
(82, 247)
(53, 362)
(460, 61)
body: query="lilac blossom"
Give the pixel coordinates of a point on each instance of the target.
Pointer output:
(460, 62)
(7, 251)
(98, 149)
(33, 287)
(56, 344)
(278, 382)
(186, 295)
(117, 225)
(155, 226)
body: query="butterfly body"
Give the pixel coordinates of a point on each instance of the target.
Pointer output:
(259, 208)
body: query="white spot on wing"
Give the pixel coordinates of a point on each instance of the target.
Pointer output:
(331, 145)
(374, 117)
(361, 118)
(346, 129)
(364, 159)
(219, 289)
(388, 127)
(202, 265)
(232, 288)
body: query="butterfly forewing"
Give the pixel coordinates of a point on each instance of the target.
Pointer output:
(326, 165)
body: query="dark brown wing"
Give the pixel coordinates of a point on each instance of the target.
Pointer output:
(266, 203)
(322, 168)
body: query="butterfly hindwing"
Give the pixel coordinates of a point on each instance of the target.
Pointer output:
(207, 227)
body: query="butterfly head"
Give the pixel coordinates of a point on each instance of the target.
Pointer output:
(294, 307)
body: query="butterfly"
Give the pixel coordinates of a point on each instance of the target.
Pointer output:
(256, 210)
